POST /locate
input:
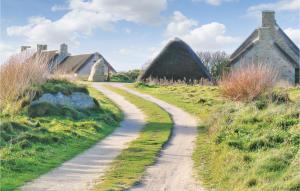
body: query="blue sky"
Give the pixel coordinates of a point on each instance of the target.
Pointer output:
(128, 33)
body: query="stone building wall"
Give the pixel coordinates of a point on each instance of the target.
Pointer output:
(264, 51)
(84, 72)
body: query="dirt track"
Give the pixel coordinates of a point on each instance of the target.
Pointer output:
(172, 171)
(82, 171)
(174, 168)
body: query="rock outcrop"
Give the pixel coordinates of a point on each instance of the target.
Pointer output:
(76, 100)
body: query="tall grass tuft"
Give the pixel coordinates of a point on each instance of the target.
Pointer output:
(249, 82)
(19, 73)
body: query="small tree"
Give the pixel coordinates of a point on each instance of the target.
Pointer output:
(216, 62)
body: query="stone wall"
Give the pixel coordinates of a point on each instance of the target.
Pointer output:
(84, 72)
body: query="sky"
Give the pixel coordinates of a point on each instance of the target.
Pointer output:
(129, 33)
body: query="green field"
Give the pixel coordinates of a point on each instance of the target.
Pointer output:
(129, 167)
(33, 146)
(241, 146)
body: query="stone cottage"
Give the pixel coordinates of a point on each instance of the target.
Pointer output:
(268, 44)
(78, 65)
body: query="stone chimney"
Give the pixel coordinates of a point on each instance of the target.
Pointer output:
(41, 47)
(268, 19)
(24, 48)
(63, 49)
(62, 54)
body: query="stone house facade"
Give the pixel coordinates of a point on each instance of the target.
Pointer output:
(268, 44)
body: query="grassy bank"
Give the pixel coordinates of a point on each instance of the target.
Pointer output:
(33, 146)
(241, 146)
(129, 167)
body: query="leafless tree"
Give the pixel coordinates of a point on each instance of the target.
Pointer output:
(216, 62)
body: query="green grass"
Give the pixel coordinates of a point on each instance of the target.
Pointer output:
(240, 146)
(30, 147)
(129, 167)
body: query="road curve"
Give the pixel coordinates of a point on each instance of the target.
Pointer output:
(81, 172)
(174, 167)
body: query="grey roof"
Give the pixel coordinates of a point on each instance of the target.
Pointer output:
(246, 45)
(107, 63)
(73, 64)
(176, 61)
(281, 41)
(49, 55)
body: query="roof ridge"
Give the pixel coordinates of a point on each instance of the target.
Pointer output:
(244, 45)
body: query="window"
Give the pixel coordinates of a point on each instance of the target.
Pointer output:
(297, 76)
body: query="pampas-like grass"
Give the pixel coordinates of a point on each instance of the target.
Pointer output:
(17, 75)
(249, 82)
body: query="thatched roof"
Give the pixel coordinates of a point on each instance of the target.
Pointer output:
(177, 61)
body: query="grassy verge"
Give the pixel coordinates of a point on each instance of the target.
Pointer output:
(30, 147)
(129, 167)
(241, 146)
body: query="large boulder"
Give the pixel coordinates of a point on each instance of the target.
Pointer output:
(77, 100)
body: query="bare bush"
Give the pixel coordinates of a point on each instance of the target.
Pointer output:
(17, 75)
(216, 62)
(248, 82)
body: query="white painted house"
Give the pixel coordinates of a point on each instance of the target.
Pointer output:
(78, 65)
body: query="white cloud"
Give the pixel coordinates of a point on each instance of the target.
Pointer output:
(282, 5)
(294, 34)
(59, 8)
(127, 30)
(179, 25)
(214, 2)
(84, 16)
(6, 51)
(209, 36)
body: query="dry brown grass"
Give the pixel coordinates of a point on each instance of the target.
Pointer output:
(249, 82)
(166, 82)
(17, 74)
(61, 75)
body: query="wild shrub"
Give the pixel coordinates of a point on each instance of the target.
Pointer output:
(249, 82)
(17, 74)
(129, 76)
